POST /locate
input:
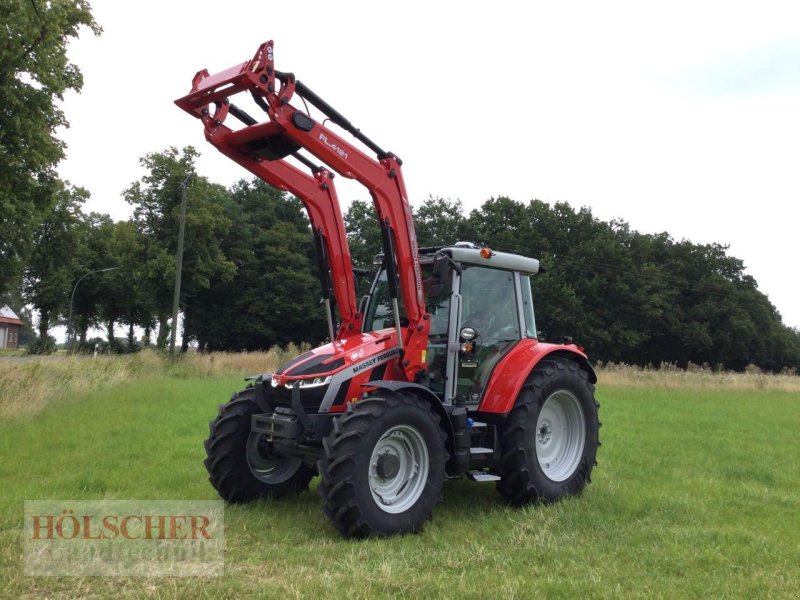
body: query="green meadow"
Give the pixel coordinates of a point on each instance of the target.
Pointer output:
(697, 494)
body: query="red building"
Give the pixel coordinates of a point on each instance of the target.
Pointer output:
(9, 328)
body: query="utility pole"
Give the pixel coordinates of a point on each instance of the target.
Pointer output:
(178, 267)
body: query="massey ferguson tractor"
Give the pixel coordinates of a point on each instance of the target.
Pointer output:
(437, 373)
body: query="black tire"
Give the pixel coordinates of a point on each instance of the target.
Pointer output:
(352, 482)
(229, 459)
(523, 478)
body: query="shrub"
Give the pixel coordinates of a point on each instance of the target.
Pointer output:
(42, 346)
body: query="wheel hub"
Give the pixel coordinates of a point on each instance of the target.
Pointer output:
(265, 465)
(388, 465)
(560, 435)
(398, 469)
(544, 432)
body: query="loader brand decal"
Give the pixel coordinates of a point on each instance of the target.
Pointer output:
(343, 377)
(414, 251)
(374, 361)
(324, 139)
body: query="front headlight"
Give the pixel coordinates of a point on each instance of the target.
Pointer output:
(316, 382)
(305, 383)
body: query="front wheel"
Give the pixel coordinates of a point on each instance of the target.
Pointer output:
(550, 438)
(383, 466)
(241, 464)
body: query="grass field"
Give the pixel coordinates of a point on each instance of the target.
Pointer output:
(697, 494)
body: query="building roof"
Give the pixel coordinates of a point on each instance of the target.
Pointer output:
(8, 316)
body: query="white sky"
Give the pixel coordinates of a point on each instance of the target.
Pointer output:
(682, 117)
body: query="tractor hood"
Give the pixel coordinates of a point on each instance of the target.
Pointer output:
(328, 377)
(354, 355)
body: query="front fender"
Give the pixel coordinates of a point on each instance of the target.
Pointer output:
(425, 393)
(414, 388)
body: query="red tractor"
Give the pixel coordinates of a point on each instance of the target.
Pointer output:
(437, 373)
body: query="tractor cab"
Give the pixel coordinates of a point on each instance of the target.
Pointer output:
(481, 306)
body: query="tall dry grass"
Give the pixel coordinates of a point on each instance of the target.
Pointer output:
(28, 386)
(248, 363)
(694, 377)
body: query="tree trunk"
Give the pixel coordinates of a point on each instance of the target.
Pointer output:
(82, 333)
(163, 331)
(44, 324)
(146, 336)
(131, 340)
(111, 334)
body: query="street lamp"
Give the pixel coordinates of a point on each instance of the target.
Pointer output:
(70, 330)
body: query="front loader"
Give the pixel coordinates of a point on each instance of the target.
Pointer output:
(436, 374)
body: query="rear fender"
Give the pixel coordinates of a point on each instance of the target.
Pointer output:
(510, 374)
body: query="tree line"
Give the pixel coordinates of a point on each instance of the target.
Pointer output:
(623, 295)
(248, 268)
(249, 272)
(250, 279)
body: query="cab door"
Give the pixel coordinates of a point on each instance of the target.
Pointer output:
(490, 307)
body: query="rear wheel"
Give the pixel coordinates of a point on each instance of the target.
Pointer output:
(241, 464)
(550, 438)
(383, 466)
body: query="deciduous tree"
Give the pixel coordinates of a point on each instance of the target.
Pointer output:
(50, 271)
(34, 74)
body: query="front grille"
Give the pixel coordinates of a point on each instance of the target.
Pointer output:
(310, 398)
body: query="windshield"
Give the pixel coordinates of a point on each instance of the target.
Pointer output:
(490, 304)
(379, 313)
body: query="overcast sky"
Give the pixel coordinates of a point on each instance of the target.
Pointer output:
(681, 117)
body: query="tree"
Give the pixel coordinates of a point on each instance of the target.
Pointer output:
(34, 73)
(95, 234)
(274, 295)
(439, 222)
(156, 200)
(118, 295)
(50, 273)
(363, 233)
(133, 304)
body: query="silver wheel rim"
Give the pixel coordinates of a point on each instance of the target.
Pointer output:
(398, 469)
(265, 467)
(560, 435)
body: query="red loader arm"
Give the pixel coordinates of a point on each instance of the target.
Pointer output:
(317, 194)
(262, 149)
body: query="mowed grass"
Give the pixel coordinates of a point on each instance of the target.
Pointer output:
(697, 494)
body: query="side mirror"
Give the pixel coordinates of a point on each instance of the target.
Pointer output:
(440, 267)
(435, 283)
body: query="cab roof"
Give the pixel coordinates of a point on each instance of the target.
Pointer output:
(469, 253)
(496, 260)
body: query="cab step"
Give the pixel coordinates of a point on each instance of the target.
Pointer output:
(482, 476)
(473, 451)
